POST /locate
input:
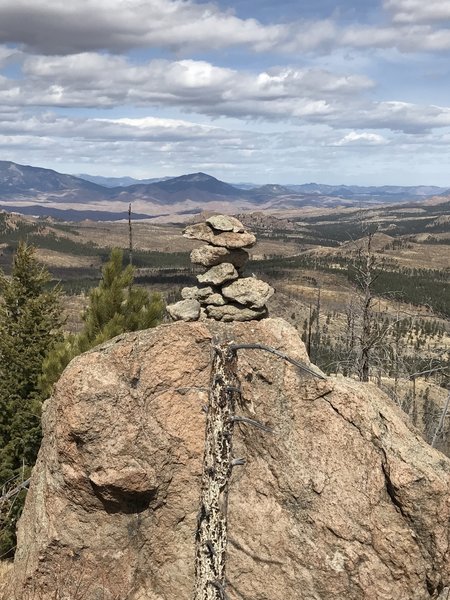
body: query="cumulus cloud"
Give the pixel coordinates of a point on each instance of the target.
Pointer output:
(7, 55)
(148, 128)
(156, 145)
(286, 93)
(160, 146)
(362, 139)
(418, 11)
(94, 80)
(60, 27)
(59, 56)
(402, 116)
(406, 39)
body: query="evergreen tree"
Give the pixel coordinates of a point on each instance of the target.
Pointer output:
(115, 306)
(30, 325)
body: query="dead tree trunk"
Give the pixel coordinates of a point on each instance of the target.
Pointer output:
(364, 363)
(317, 344)
(440, 426)
(308, 339)
(212, 522)
(211, 538)
(366, 278)
(130, 236)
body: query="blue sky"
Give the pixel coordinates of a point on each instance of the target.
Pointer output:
(269, 92)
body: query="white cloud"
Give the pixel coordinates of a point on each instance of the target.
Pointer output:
(362, 139)
(7, 54)
(325, 112)
(294, 94)
(148, 146)
(286, 93)
(406, 38)
(403, 116)
(61, 27)
(96, 80)
(418, 11)
(167, 146)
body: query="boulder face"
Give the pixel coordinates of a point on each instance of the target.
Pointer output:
(343, 500)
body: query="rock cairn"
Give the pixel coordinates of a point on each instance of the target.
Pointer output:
(222, 293)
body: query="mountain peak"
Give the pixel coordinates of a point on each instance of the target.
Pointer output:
(197, 177)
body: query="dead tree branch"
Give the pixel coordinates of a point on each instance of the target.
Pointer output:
(286, 357)
(247, 421)
(441, 421)
(14, 491)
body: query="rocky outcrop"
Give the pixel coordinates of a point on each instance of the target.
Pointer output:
(344, 500)
(232, 297)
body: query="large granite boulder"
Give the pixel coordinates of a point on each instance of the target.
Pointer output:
(343, 501)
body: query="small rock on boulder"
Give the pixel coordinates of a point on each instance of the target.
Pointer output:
(219, 274)
(227, 239)
(185, 310)
(235, 312)
(197, 293)
(250, 291)
(216, 300)
(209, 256)
(226, 223)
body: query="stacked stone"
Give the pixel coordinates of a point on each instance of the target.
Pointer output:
(222, 293)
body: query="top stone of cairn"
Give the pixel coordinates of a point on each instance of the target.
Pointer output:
(223, 231)
(225, 223)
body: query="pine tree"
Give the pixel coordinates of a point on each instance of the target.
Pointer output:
(115, 306)
(30, 325)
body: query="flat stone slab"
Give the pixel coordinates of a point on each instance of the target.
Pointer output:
(197, 293)
(219, 274)
(234, 312)
(205, 295)
(226, 223)
(249, 291)
(209, 256)
(184, 310)
(226, 239)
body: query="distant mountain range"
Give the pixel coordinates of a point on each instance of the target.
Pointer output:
(33, 190)
(111, 182)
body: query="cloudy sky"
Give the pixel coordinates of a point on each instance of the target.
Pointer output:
(286, 91)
